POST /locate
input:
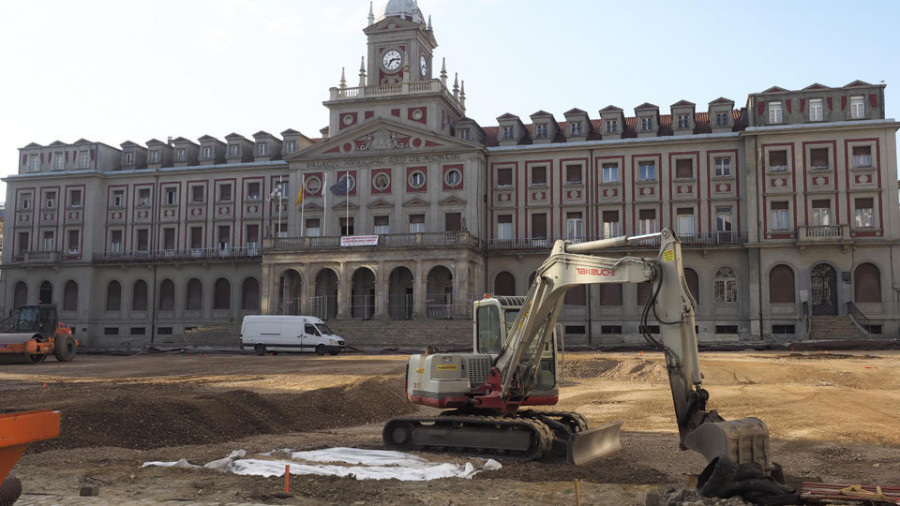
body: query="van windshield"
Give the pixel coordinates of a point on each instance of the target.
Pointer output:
(324, 330)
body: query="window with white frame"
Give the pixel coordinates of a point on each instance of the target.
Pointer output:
(505, 227)
(154, 156)
(35, 163)
(235, 150)
(575, 128)
(464, 134)
(118, 198)
(574, 226)
(143, 199)
(684, 121)
(48, 240)
(262, 149)
(612, 126)
(646, 171)
(647, 221)
(864, 212)
(73, 241)
(723, 166)
(59, 161)
(290, 147)
(725, 286)
(611, 225)
(382, 225)
(313, 227)
(862, 156)
(75, 198)
(646, 124)
(610, 172)
(417, 179)
(815, 109)
(416, 223)
(171, 195)
(206, 152)
(115, 241)
(857, 107)
(508, 133)
(775, 113)
(453, 178)
(181, 154)
(780, 216)
(253, 190)
(197, 194)
(129, 158)
(724, 223)
(685, 224)
(49, 199)
(85, 158)
(820, 215)
(722, 119)
(540, 130)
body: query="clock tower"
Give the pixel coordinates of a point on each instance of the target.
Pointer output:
(401, 45)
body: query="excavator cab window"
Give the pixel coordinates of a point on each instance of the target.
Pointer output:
(487, 322)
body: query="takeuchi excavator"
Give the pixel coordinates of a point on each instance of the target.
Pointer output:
(489, 395)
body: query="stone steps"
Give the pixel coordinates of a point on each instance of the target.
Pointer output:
(825, 328)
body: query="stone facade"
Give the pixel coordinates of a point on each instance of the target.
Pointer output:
(406, 208)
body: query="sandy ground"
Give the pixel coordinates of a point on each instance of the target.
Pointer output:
(833, 418)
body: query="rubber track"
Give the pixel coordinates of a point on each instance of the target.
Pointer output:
(544, 434)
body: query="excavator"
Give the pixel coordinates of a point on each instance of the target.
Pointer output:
(489, 396)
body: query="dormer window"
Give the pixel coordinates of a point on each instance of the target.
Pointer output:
(540, 131)
(775, 114)
(507, 133)
(207, 152)
(612, 126)
(815, 109)
(576, 128)
(35, 164)
(262, 149)
(464, 134)
(290, 146)
(180, 154)
(857, 107)
(684, 121)
(646, 124)
(85, 160)
(722, 119)
(59, 161)
(235, 150)
(129, 158)
(154, 156)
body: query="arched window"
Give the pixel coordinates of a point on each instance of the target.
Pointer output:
(167, 295)
(20, 297)
(70, 296)
(781, 285)
(867, 283)
(113, 296)
(194, 299)
(139, 296)
(693, 283)
(725, 286)
(45, 294)
(222, 296)
(504, 284)
(250, 296)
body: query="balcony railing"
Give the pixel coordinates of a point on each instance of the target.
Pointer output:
(407, 88)
(715, 239)
(179, 256)
(824, 233)
(384, 242)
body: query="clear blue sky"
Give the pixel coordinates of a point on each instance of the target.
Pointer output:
(115, 70)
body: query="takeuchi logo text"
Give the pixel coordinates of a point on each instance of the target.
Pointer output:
(596, 271)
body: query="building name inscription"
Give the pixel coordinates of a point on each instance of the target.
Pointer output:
(383, 160)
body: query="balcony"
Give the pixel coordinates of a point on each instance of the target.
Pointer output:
(42, 257)
(193, 255)
(714, 239)
(431, 240)
(403, 89)
(824, 234)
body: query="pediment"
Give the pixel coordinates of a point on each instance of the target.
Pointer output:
(416, 202)
(33, 145)
(452, 200)
(776, 89)
(56, 144)
(313, 207)
(380, 204)
(815, 86)
(378, 138)
(342, 205)
(856, 83)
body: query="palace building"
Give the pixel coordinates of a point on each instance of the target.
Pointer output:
(406, 208)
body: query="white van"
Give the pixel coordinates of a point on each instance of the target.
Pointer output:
(274, 333)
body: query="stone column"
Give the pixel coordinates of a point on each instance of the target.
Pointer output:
(420, 286)
(345, 286)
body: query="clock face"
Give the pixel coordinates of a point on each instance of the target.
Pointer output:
(392, 60)
(423, 64)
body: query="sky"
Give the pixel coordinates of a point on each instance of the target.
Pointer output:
(111, 70)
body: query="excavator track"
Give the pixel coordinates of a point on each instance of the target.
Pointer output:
(513, 437)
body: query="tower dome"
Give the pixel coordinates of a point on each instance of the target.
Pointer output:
(405, 9)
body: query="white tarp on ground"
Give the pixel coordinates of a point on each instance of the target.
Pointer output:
(344, 462)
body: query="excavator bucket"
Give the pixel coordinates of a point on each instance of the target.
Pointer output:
(745, 440)
(592, 444)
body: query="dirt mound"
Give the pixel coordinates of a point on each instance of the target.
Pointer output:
(164, 417)
(636, 370)
(592, 368)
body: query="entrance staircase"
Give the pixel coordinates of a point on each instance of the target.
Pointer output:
(832, 328)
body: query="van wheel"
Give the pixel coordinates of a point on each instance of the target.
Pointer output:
(260, 349)
(320, 350)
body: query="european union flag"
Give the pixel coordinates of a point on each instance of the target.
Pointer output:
(342, 187)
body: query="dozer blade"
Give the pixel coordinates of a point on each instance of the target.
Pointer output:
(592, 444)
(745, 440)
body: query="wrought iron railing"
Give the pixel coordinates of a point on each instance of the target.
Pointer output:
(180, 256)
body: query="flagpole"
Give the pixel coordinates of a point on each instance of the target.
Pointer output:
(347, 197)
(280, 191)
(324, 201)
(302, 205)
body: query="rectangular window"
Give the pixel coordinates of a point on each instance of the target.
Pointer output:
(685, 222)
(575, 128)
(612, 126)
(143, 198)
(464, 134)
(196, 238)
(504, 177)
(154, 156)
(26, 201)
(647, 221)
(181, 154)
(684, 168)
(611, 226)
(59, 161)
(815, 109)
(646, 124)
(50, 200)
(610, 173)
(115, 241)
(780, 218)
(862, 156)
(253, 191)
(722, 119)
(290, 147)
(262, 149)
(723, 166)
(505, 227)
(574, 227)
(168, 238)
(573, 174)
(416, 223)
(540, 131)
(382, 224)
(538, 176)
(224, 241)
(857, 107)
(225, 192)
(646, 171)
(171, 196)
(684, 121)
(73, 241)
(143, 239)
(23, 243)
(723, 219)
(818, 158)
(35, 164)
(129, 158)
(313, 227)
(507, 133)
(778, 161)
(252, 235)
(865, 213)
(74, 198)
(197, 194)
(85, 160)
(821, 213)
(118, 198)
(207, 152)
(48, 240)
(775, 115)
(452, 222)
(235, 150)
(538, 226)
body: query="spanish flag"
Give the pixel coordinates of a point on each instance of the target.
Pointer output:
(300, 195)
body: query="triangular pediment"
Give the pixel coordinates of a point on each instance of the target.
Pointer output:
(452, 200)
(342, 205)
(380, 137)
(722, 101)
(380, 204)
(776, 89)
(856, 83)
(416, 202)
(33, 145)
(56, 144)
(815, 86)
(312, 207)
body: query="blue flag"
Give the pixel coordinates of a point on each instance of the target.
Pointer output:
(342, 187)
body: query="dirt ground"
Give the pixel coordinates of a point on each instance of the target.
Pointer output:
(833, 417)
